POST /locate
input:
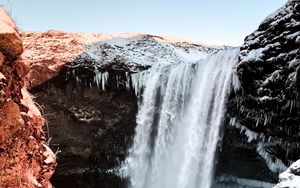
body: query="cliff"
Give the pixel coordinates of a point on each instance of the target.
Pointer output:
(25, 158)
(266, 107)
(83, 83)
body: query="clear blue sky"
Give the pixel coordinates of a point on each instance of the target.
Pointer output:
(214, 21)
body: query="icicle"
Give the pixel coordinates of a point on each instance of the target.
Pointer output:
(101, 79)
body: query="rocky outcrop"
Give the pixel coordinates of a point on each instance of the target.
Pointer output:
(25, 158)
(266, 107)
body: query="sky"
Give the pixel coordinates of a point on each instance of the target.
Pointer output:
(221, 22)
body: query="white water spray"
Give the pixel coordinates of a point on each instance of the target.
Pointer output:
(178, 123)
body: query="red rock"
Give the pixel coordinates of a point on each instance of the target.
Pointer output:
(21, 157)
(1, 59)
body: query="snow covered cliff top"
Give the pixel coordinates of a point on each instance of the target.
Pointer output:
(135, 48)
(47, 52)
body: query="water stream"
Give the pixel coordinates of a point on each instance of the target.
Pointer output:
(178, 123)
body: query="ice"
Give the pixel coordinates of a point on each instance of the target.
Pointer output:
(101, 79)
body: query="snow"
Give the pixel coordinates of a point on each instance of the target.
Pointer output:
(258, 54)
(293, 36)
(254, 55)
(132, 49)
(298, 40)
(193, 55)
(288, 179)
(264, 98)
(275, 18)
(294, 63)
(272, 78)
(137, 50)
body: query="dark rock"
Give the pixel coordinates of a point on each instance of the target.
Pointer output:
(93, 129)
(268, 101)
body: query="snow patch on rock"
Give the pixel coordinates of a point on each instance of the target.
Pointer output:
(291, 177)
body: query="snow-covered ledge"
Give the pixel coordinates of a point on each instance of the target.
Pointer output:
(291, 177)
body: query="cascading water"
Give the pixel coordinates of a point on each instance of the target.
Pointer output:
(178, 123)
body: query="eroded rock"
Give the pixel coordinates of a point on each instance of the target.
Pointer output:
(24, 155)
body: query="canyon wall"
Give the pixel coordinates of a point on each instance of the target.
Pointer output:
(25, 158)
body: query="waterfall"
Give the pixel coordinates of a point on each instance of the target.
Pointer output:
(178, 123)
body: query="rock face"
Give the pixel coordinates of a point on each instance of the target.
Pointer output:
(25, 158)
(90, 127)
(82, 81)
(267, 105)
